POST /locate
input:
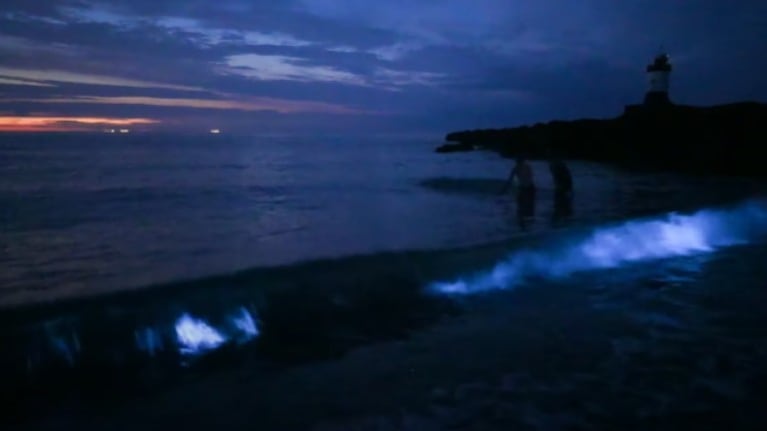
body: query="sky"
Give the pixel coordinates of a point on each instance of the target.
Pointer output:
(363, 65)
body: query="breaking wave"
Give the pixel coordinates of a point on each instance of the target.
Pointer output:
(314, 310)
(610, 247)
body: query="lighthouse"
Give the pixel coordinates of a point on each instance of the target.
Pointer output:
(658, 74)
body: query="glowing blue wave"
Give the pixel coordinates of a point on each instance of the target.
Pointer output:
(673, 235)
(196, 336)
(187, 334)
(245, 323)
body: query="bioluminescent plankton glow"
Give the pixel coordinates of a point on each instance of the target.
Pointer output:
(148, 340)
(244, 322)
(674, 235)
(197, 336)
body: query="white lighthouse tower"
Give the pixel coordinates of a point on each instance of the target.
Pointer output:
(658, 74)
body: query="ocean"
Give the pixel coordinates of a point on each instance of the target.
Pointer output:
(291, 282)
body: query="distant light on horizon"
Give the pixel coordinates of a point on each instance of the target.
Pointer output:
(124, 130)
(215, 131)
(42, 124)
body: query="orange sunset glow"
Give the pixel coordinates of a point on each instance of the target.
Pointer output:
(65, 124)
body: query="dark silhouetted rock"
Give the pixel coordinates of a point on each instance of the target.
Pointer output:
(455, 148)
(724, 139)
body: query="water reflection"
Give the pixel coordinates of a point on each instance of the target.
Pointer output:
(563, 207)
(525, 207)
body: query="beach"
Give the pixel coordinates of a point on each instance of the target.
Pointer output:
(369, 285)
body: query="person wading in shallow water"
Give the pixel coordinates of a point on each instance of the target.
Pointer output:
(563, 189)
(523, 174)
(560, 173)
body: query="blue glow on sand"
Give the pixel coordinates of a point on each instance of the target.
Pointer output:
(674, 235)
(197, 336)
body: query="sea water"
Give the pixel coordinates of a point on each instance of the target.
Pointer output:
(87, 214)
(368, 283)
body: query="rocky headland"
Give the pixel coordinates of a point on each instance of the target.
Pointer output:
(724, 139)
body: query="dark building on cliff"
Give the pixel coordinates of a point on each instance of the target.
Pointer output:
(658, 73)
(658, 79)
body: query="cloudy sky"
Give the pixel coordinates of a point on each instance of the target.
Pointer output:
(357, 65)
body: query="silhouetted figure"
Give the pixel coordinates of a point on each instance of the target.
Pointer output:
(525, 188)
(563, 189)
(523, 173)
(560, 173)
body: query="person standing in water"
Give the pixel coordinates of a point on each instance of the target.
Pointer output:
(563, 189)
(560, 173)
(523, 174)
